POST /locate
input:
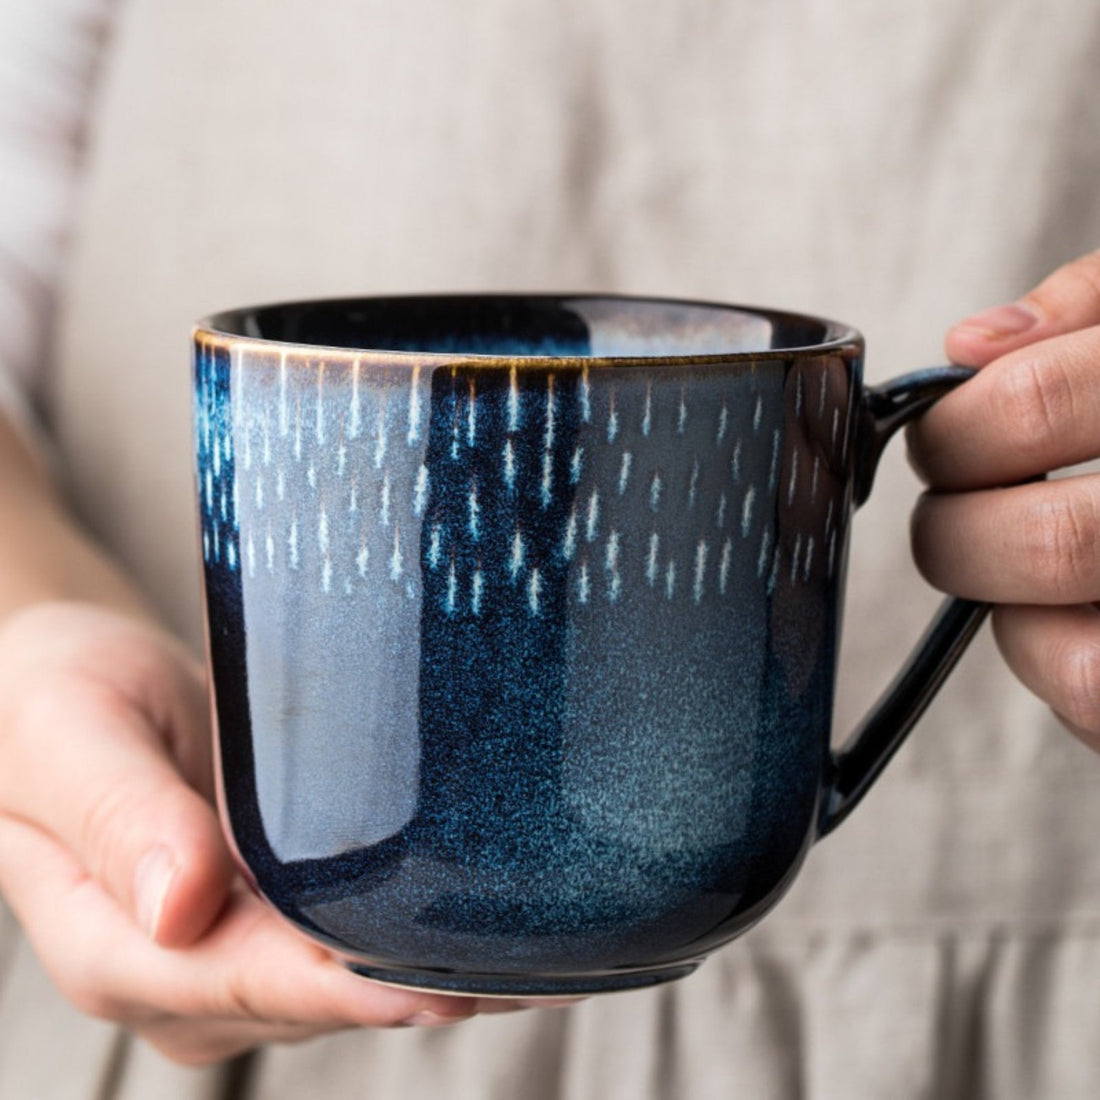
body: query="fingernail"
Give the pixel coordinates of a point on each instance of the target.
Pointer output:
(152, 880)
(1001, 321)
(427, 1018)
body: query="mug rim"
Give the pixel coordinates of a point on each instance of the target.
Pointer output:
(218, 329)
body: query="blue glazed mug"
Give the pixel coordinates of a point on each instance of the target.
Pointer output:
(523, 617)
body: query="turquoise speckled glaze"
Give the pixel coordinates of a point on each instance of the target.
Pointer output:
(523, 617)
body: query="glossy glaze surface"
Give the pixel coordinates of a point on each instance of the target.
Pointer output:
(524, 666)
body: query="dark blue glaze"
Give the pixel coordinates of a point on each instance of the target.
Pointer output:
(524, 667)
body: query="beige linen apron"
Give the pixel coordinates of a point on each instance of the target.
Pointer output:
(894, 165)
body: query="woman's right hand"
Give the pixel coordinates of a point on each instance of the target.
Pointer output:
(113, 861)
(1029, 548)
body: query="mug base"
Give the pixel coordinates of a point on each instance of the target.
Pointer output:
(528, 987)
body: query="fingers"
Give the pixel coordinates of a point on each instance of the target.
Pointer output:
(1065, 301)
(86, 766)
(82, 758)
(1055, 651)
(1031, 543)
(1036, 406)
(253, 966)
(1035, 410)
(250, 980)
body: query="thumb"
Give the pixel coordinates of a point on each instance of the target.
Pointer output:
(1065, 301)
(86, 764)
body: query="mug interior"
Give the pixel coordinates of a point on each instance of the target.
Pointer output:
(537, 325)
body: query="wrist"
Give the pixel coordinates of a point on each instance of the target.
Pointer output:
(45, 557)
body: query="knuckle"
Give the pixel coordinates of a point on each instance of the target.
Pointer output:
(1060, 544)
(107, 829)
(1075, 283)
(48, 703)
(39, 706)
(1085, 271)
(33, 711)
(234, 996)
(236, 999)
(1037, 403)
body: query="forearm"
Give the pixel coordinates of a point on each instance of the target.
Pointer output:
(44, 555)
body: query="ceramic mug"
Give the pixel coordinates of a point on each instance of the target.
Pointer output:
(523, 616)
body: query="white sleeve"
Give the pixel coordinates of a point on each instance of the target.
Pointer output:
(50, 51)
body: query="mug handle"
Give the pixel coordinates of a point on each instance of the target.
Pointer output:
(859, 763)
